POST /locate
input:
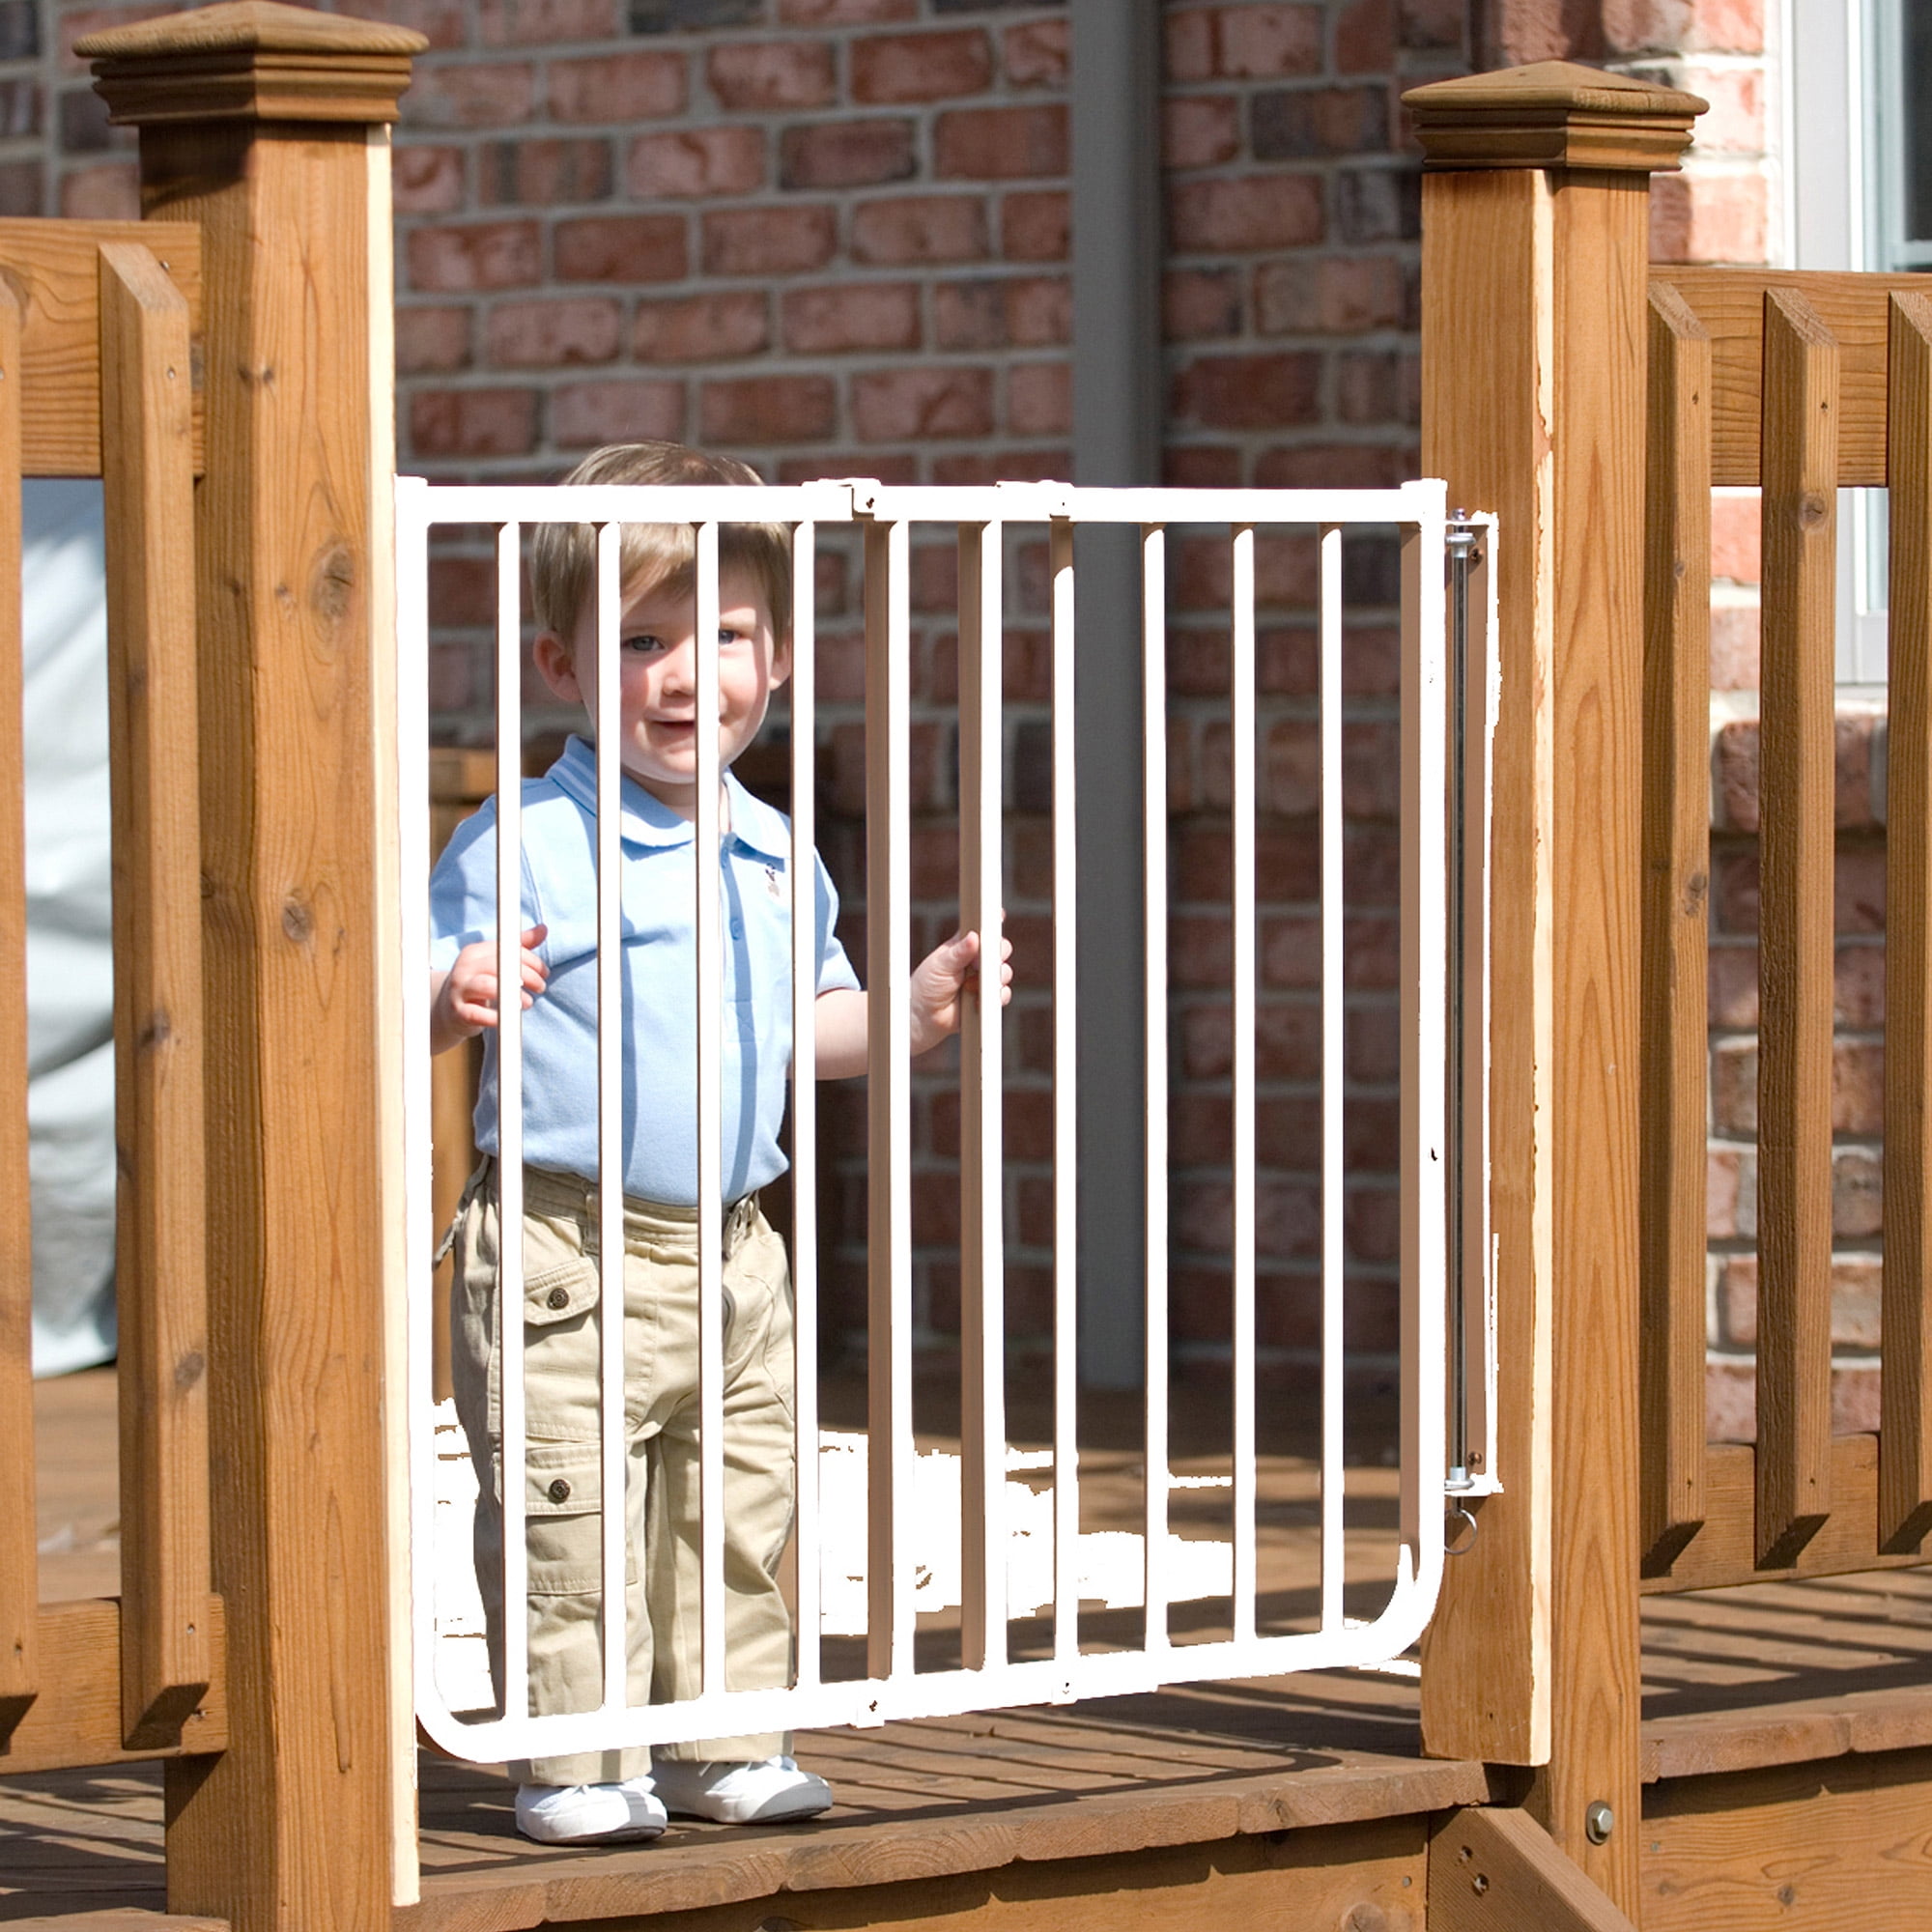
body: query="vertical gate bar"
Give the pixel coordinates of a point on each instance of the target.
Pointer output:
(1334, 1076)
(20, 1557)
(1674, 1070)
(1065, 1112)
(161, 1250)
(514, 1448)
(1154, 839)
(610, 1163)
(982, 1429)
(1904, 1434)
(709, 874)
(889, 1572)
(1242, 727)
(1797, 734)
(805, 1095)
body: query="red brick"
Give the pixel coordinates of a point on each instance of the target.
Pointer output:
(443, 23)
(1200, 131)
(463, 592)
(618, 88)
(1244, 42)
(1253, 213)
(696, 161)
(769, 240)
(1333, 295)
(1736, 533)
(823, 463)
(490, 94)
(846, 154)
(1857, 1087)
(544, 23)
(472, 422)
(1039, 310)
(1434, 23)
(846, 12)
(1004, 466)
(1199, 467)
(1199, 304)
(1734, 647)
(109, 193)
(1250, 391)
(621, 248)
(1039, 399)
(585, 414)
(921, 228)
(1858, 980)
(1035, 54)
(1676, 26)
(1709, 217)
(760, 410)
(1332, 466)
(1035, 227)
(969, 315)
(523, 174)
(482, 255)
(920, 66)
(427, 180)
(918, 405)
(1000, 143)
(431, 339)
(851, 316)
(1858, 890)
(551, 334)
(758, 76)
(698, 329)
(1364, 37)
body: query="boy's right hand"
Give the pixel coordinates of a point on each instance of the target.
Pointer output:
(463, 1000)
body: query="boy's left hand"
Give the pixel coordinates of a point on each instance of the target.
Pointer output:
(939, 983)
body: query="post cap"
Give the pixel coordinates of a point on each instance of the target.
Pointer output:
(1556, 114)
(251, 60)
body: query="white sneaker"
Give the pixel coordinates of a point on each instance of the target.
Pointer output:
(581, 1814)
(768, 1792)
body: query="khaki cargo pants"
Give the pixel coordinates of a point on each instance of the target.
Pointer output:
(661, 1424)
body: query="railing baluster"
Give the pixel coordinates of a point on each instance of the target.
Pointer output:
(1676, 895)
(514, 1450)
(805, 1093)
(890, 1619)
(706, 873)
(1334, 1076)
(1153, 840)
(161, 1252)
(20, 1557)
(611, 1098)
(1241, 723)
(983, 1432)
(1797, 737)
(1905, 1437)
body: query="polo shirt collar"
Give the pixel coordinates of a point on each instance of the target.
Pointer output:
(647, 820)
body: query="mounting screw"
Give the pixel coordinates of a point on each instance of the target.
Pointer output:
(1598, 1820)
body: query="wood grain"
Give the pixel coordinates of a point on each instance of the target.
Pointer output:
(1485, 283)
(1796, 731)
(1595, 646)
(1855, 311)
(1676, 906)
(19, 1580)
(51, 266)
(1905, 1455)
(76, 1719)
(297, 1810)
(1499, 1871)
(1812, 1847)
(160, 1234)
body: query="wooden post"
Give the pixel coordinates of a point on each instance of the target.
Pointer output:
(267, 126)
(1535, 233)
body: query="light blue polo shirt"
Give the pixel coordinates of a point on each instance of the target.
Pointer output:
(559, 891)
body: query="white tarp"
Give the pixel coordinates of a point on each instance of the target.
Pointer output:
(69, 933)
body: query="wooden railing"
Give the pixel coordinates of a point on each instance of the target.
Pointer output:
(1801, 385)
(97, 326)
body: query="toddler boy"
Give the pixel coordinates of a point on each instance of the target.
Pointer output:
(622, 1794)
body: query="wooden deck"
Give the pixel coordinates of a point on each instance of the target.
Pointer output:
(1777, 1674)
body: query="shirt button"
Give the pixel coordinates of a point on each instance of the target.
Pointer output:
(559, 1297)
(737, 929)
(559, 1491)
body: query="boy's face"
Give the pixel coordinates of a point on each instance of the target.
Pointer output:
(658, 655)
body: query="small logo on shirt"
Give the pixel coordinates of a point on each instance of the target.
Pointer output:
(773, 882)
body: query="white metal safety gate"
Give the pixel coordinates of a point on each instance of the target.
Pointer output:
(1435, 1317)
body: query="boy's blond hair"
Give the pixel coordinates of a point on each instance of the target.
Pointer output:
(563, 556)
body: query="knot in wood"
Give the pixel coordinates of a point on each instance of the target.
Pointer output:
(1364, 1916)
(331, 588)
(158, 1030)
(189, 1369)
(298, 922)
(1811, 510)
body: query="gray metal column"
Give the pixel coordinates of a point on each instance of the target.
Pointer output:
(1116, 440)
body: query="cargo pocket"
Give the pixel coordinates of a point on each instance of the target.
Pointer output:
(561, 1353)
(564, 1521)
